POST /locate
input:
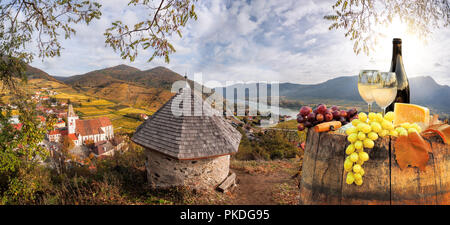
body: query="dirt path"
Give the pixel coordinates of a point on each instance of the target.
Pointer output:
(258, 189)
(271, 183)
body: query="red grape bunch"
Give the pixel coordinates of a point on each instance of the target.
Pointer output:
(308, 117)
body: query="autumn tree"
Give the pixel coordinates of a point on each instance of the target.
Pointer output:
(360, 18)
(29, 28)
(165, 18)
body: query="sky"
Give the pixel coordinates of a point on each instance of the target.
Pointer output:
(253, 40)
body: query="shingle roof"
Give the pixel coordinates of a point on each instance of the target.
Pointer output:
(188, 136)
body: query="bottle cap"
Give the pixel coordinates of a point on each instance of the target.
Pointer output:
(397, 41)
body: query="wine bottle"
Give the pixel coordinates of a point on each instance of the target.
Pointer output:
(402, 79)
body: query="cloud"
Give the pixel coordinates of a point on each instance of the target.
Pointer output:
(286, 41)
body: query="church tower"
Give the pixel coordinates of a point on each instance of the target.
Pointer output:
(71, 118)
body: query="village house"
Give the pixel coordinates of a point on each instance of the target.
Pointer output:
(60, 124)
(80, 131)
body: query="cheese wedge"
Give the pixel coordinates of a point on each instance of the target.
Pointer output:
(412, 114)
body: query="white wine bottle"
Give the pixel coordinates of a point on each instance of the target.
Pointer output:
(399, 70)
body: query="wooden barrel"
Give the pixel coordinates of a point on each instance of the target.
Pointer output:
(323, 175)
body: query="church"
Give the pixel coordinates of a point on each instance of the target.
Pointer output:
(80, 131)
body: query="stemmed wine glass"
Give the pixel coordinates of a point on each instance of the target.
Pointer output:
(385, 89)
(366, 82)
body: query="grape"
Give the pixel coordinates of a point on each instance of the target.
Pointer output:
(352, 137)
(387, 125)
(350, 149)
(400, 129)
(361, 136)
(403, 132)
(301, 127)
(379, 117)
(362, 172)
(356, 168)
(363, 156)
(351, 130)
(366, 128)
(321, 109)
(355, 122)
(308, 124)
(383, 133)
(343, 113)
(376, 127)
(359, 182)
(320, 117)
(358, 144)
(352, 112)
(354, 157)
(315, 111)
(348, 165)
(328, 117)
(393, 133)
(336, 114)
(360, 126)
(311, 117)
(360, 162)
(305, 110)
(389, 116)
(412, 129)
(315, 122)
(362, 116)
(300, 119)
(406, 125)
(372, 116)
(368, 143)
(372, 136)
(342, 120)
(334, 108)
(417, 127)
(357, 176)
(350, 178)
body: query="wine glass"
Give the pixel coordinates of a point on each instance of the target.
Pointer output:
(385, 89)
(366, 80)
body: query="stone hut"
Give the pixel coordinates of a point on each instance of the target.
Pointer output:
(187, 143)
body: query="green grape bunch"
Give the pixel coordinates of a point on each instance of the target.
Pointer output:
(362, 135)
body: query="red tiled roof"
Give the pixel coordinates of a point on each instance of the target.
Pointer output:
(41, 118)
(18, 126)
(104, 121)
(54, 132)
(92, 127)
(73, 137)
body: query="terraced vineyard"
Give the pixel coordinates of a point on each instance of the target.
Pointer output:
(125, 118)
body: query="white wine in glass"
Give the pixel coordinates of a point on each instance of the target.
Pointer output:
(366, 84)
(385, 89)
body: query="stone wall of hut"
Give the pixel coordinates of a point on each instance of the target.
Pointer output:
(164, 172)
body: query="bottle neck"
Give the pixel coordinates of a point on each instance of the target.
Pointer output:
(396, 51)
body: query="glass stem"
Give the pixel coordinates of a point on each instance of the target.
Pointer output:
(370, 107)
(384, 111)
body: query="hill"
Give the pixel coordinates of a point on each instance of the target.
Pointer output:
(343, 90)
(127, 85)
(35, 73)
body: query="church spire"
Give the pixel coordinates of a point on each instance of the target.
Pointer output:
(71, 113)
